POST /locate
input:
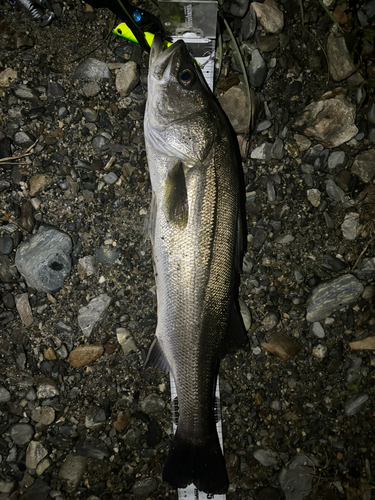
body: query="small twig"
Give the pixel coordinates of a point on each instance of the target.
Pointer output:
(26, 153)
(363, 252)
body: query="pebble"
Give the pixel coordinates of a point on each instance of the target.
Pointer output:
(270, 321)
(7, 76)
(22, 433)
(91, 89)
(26, 221)
(282, 346)
(268, 458)
(38, 490)
(333, 191)
(337, 159)
(152, 404)
(24, 92)
(317, 330)
(314, 197)
(284, 239)
(87, 266)
(332, 295)
(350, 226)
(126, 340)
(6, 245)
(296, 479)
(320, 351)
(269, 15)
(95, 417)
(42, 466)
(46, 388)
(110, 178)
(4, 395)
(127, 78)
(330, 120)
(236, 106)
(92, 450)
(355, 404)
(44, 415)
(262, 152)
(72, 471)
(257, 69)
(277, 151)
(122, 422)
(44, 259)
(365, 344)
(92, 69)
(107, 255)
(261, 126)
(55, 92)
(245, 313)
(143, 488)
(249, 25)
(23, 139)
(340, 63)
(34, 454)
(364, 165)
(89, 316)
(38, 183)
(84, 355)
(24, 309)
(8, 271)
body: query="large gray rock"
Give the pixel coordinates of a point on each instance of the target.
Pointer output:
(44, 259)
(332, 295)
(330, 120)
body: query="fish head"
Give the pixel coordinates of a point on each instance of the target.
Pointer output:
(182, 117)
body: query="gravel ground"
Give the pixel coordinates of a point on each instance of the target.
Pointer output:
(298, 402)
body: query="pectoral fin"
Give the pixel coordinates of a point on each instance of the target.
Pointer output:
(176, 199)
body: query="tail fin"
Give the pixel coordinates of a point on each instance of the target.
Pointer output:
(200, 463)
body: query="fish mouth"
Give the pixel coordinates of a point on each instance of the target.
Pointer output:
(160, 58)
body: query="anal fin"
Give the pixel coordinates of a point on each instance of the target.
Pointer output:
(156, 357)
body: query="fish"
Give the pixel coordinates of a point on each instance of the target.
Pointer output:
(197, 246)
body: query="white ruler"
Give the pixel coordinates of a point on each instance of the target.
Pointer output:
(191, 492)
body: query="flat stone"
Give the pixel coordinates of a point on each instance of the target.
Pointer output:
(143, 488)
(269, 15)
(330, 120)
(245, 314)
(314, 196)
(337, 159)
(23, 139)
(92, 69)
(24, 309)
(38, 183)
(24, 92)
(44, 260)
(71, 472)
(367, 344)
(235, 104)
(84, 355)
(42, 466)
(152, 404)
(7, 76)
(282, 346)
(334, 191)
(126, 340)
(364, 165)
(46, 388)
(268, 458)
(262, 152)
(296, 479)
(350, 226)
(87, 266)
(22, 433)
(34, 454)
(4, 395)
(110, 178)
(93, 449)
(95, 417)
(44, 415)
(332, 295)
(257, 69)
(127, 78)
(89, 316)
(355, 404)
(91, 89)
(317, 330)
(249, 24)
(339, 62)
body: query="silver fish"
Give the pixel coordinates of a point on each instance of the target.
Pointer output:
(195, 210)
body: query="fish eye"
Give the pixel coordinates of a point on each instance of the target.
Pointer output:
(186, 76)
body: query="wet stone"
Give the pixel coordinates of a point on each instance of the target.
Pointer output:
(350, 226)
(249, 25)
(269, 493)
(127, 78)
(22, 433)
(355, 404)
(152, 404)
(143, 488)
(34, 454)
(235, 105)
(6, 245)
(257, 69)
(46, 388)
(332, 295)
(55, 92)
(364, 165)
(269, 16)
(92, 450)
(261, 126)
(277, 151)
(126, 340)
(44, 259)
(8, 300)
(92, 69)
(89, 316)
(71, 472)
(339, 62)
(6, 317)
(26, 221)
(44, 415)
(333, 191)
(84, 355)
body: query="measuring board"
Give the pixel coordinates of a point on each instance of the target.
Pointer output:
(195, 23)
